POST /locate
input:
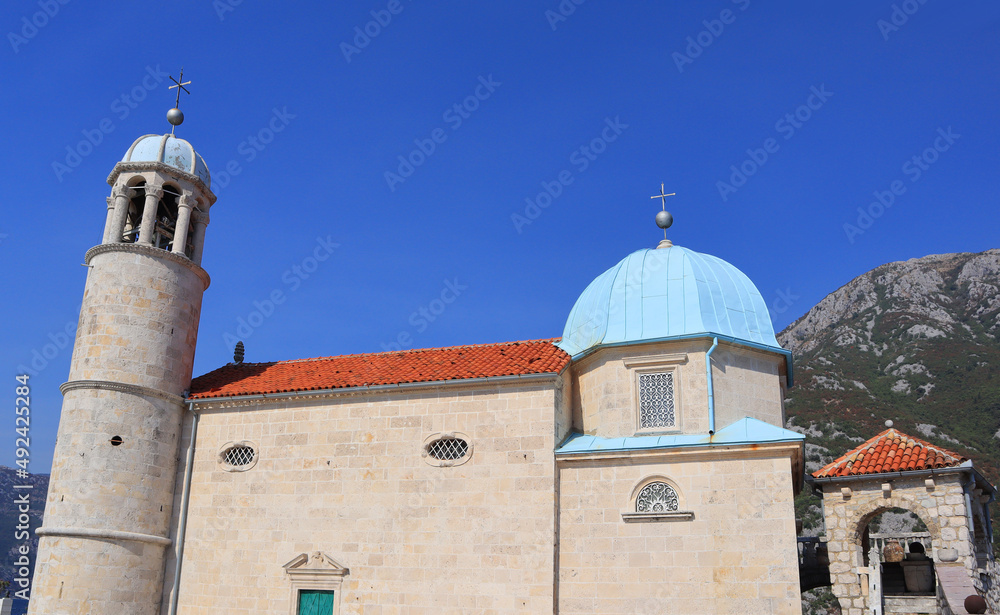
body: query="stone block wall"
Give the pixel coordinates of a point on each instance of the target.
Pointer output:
(345, 476)
(747, 383)
(737, 554)
(139, 318)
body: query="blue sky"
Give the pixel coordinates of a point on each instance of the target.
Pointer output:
(773, 122)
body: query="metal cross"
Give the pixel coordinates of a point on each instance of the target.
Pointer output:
(180, 86)
(663, 197)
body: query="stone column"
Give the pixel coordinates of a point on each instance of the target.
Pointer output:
(122, 196)
(153, 196)
(109, 219)
(200, 223)
(181, 229)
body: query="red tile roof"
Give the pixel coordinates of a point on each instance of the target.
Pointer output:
(890, 451)
(425, 365)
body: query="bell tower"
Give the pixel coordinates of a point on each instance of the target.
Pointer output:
(105, 533)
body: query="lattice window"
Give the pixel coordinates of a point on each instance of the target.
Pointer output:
(656, 497)
(238, 457)
(656, 400)
(448, 449)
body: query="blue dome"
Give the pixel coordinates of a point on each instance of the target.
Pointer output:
(667, 293)
(169, 150)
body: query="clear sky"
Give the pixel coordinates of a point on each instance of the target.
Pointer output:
(545, 127)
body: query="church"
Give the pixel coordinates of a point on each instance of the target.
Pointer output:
(637, 464)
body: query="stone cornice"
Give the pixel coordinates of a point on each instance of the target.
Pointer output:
(107, 385)
(136, 167)
(79, 532)
(150, 251)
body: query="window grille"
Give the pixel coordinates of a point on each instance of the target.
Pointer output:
(448, 449)
(656, 400)
(239, 456)
(656, 497)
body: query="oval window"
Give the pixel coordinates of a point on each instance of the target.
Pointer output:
(447, 449)
(238, 456)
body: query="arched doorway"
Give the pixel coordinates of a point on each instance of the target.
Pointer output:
(897, 545)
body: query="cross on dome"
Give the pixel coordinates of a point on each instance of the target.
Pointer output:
(174, 116)
(664, 219)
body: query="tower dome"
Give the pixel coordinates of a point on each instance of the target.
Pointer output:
(669, 293)
(169, 150)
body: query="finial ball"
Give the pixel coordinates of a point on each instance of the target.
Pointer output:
(664, 219)
(175, 116)
(888, 423)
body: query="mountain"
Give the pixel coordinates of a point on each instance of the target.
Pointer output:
(916, 342)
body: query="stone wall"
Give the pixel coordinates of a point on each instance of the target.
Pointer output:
(737, 554)
(747, 383)
(345, 476)
(139, 318)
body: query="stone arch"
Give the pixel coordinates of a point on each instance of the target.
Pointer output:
(866, 511)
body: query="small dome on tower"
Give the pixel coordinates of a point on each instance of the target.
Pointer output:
(671, 292)
(171, 151)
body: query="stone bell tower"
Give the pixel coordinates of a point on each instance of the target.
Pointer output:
(107, 516)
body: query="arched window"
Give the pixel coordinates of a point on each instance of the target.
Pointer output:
(166, 219)
(133, 220)
(656, 497)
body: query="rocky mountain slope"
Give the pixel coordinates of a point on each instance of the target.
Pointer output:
(917, 342)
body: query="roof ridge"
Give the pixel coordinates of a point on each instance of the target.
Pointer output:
(872, 457)
(550, 340)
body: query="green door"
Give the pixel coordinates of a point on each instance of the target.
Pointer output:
(315, 602)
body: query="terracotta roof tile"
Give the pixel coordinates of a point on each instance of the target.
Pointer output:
(890, 451)
(425, 365)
